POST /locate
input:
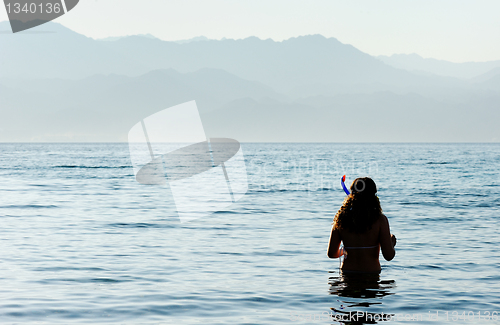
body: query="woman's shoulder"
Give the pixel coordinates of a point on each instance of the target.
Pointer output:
(383, 219)
(379, 222)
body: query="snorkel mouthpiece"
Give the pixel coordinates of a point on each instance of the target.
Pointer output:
(342, 180)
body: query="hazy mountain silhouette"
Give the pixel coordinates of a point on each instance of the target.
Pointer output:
(493, 73)
(112, 104)
(103, 108)
(57, 85)
(379, 117)
(115, 38)
(302, 66)
(54, 51)
(194, 39)
(416, 63)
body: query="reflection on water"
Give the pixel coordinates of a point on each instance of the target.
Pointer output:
(357, 292)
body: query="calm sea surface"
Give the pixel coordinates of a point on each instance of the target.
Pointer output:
(81, 242)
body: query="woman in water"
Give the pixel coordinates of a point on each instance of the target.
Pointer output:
(364, 230)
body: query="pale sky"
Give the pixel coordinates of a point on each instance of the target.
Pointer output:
(453, 30)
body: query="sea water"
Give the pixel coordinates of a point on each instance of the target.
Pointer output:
(81, 242)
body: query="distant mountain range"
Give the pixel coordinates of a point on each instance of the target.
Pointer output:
(58, 85)
(116, 38)
(302, 66)
(417, 64)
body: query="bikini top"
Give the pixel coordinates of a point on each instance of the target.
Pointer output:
(344, 248)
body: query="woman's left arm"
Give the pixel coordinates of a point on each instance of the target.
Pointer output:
(334, 244)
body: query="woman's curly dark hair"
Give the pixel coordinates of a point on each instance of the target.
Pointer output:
(360, 209)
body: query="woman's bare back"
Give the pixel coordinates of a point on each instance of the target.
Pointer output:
(363, 249)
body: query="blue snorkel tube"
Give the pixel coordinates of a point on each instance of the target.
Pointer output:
(342, 249)
(342, 180)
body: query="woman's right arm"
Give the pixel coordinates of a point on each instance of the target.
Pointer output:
(387, 241)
